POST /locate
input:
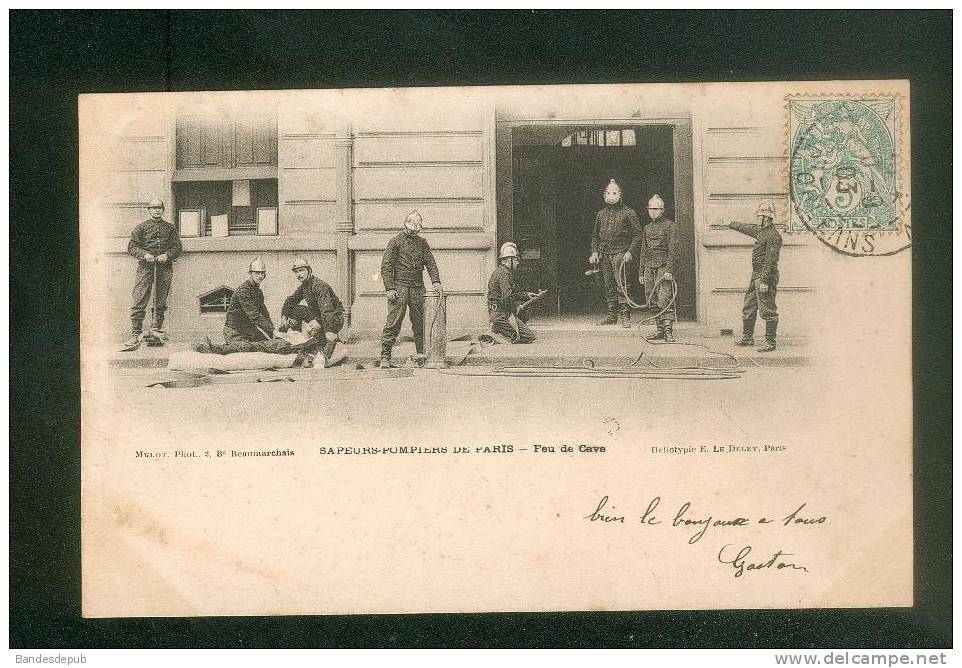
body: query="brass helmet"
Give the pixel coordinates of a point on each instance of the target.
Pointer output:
(508, 249)
(414, 221)
(656, 202)
(155, 203)
(257, 265)
(766, 209)
(612, 192)
(300, 263)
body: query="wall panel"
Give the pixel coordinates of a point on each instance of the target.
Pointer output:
(393, 183)
(404, 148)
(437, 214)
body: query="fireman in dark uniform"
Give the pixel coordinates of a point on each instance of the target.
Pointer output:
(504, 298)
(156, 244)
(615, 239)
(760, 296)
(248, 328)
(659, 259)
(324, 305)
(402, 267)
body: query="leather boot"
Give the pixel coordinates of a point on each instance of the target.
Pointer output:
(206, 347)
(624, 317)
(771, 329)
(133, 342)
(660, 334)
(158, 327)
(748, 333)
(611, 317)
(669, 335)
(328, 351)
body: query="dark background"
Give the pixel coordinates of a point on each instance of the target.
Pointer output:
(54, 56)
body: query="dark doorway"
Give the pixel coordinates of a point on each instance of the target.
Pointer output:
(558, 188)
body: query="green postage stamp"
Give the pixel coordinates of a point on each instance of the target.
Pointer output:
(844, 173)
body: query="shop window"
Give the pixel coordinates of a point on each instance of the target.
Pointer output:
(216, 301)
(226, 208)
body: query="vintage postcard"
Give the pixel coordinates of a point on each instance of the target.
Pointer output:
(546, 348)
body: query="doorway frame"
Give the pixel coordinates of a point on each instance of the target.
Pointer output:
(683, 172)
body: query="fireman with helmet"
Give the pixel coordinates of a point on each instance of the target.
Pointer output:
(156, 244)
(504, 298)
(657, 267)
(248, 328)
(405, 258)
(615, 240)
(760, 296)
(326, 309)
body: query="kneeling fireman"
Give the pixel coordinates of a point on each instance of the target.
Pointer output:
(504, 299)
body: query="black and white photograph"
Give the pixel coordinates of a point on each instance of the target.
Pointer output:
(429, 336)
(358, 343)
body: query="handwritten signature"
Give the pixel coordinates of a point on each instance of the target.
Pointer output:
(606, 512)
(740, 565)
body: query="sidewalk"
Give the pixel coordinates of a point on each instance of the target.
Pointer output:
(600, 348)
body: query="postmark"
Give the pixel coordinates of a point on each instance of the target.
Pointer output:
(845, 176)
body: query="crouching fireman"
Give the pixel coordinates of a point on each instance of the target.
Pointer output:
(504, 298)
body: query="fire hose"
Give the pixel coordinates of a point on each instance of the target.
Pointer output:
(736, 364)
(654, 290)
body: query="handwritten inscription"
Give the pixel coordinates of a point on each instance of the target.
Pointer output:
(598, 516)
(740, 564)
(697, 524)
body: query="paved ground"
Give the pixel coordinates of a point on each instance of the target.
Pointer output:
(433, 405)
(610, 347)
(457, 403)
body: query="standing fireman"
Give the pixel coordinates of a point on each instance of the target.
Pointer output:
(760, 296)
(156, 244)
(504, 298)
(406, 257)
(659, 259)
(326, 309)
(615, 239)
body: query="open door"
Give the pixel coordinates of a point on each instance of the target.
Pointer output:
(535, 228)
(557, 177)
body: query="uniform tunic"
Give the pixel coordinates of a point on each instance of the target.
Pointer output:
(405, 259)
(503, 300)
(616, 231)
(320, 298)
(155, 237)
(660, 256)
(402, 267)
(768, 244)
(246, 313)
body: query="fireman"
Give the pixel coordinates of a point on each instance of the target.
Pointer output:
(760, 296)
(657, 267)
(405, 258)
(504, 298)
(615, 240)
(156, 244)
(324, 305)
(248, 328)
